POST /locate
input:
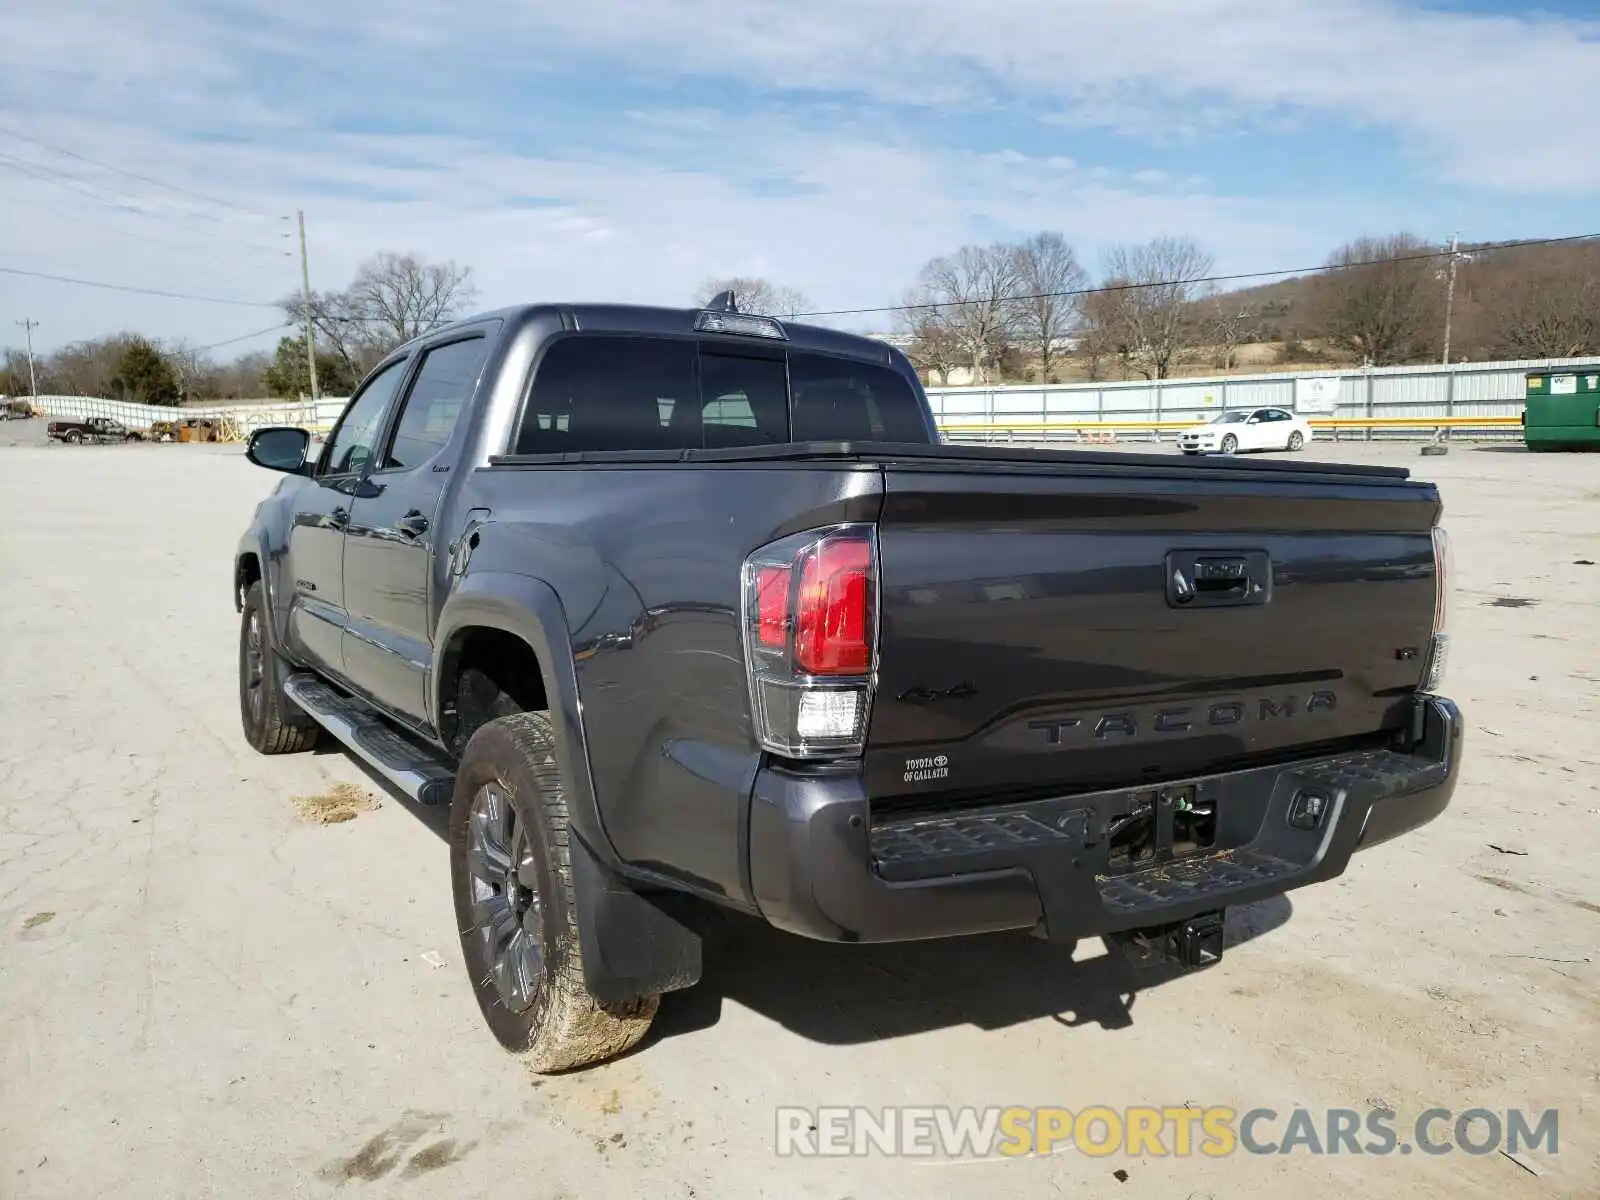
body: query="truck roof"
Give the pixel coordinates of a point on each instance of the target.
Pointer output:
(651, 320)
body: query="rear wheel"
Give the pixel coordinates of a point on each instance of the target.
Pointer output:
(1230, 444)
(511, 872)
(73, 438)
(1297, 440)
(264, 709)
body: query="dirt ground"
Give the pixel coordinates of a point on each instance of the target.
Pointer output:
(207, 993)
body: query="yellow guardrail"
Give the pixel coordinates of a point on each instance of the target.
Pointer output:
(1416, 422)
(1111, 423)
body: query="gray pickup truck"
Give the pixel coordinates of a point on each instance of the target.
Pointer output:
(684, 607)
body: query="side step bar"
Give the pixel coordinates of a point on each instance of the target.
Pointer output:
(412, 767)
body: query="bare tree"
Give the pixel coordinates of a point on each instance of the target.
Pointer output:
(1150, 290)
(87, 368)
(932, 345)
(754, 295)
(1380, 299)
(1536, 303)
(355, 342)
(1045, 314)
(1099, 343)
(1230, 322)
(197, 377)
(405, 297)
(975, 292)
(393, 298)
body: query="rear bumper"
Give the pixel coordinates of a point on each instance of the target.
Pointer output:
(820, 867)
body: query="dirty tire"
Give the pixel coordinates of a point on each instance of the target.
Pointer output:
(263, 708)
(1297, 440)
(564, 1027)
(1230, 444)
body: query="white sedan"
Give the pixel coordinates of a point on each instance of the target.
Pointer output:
(1247, 429)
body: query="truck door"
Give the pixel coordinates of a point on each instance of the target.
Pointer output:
(314, 573)
(394, 543)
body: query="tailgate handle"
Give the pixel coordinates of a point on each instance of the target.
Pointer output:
(1218, 579)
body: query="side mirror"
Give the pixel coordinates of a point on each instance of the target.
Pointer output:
(1253, 421)
(279, 448)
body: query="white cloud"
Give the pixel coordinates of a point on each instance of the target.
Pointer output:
(865, 216)
(1475, 94)
(846, 209)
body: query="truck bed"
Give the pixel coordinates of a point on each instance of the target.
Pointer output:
(1029, 634)
(1003, 458)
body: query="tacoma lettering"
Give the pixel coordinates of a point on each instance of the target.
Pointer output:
(1223, 714)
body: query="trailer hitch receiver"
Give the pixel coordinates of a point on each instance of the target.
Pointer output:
(1190, 943)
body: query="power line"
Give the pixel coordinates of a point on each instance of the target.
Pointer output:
(132, 174)
(1235, 278)
(119, 287)
(243, 337)
(889, 308)
(145, 235)
(76, 183)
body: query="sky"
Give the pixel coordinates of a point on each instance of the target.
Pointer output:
(630, 149)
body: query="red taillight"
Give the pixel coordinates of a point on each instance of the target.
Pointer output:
(810, 616)
(833, 612)
(772, 606)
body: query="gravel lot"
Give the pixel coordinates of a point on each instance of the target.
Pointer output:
(206, 994)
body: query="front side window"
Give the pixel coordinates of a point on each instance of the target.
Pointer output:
(353, 445)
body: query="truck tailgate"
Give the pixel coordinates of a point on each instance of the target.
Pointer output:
(1057, 627)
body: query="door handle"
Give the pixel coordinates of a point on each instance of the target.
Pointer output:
(413, 524)
(339, 518)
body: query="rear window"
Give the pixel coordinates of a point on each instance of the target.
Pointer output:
(627, 393)
(835, 399)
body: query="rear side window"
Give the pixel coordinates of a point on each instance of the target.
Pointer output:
(444, 384)
(635, 393)
(603, 393)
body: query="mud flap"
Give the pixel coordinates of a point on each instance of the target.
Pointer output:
(633, 944)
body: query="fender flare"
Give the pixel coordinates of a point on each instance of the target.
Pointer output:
(256, 541)
(633, 944)
(528, 609)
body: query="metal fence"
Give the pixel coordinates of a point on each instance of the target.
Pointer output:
(319, 415)
(1492, 389)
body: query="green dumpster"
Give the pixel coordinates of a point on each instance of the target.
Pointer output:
(1563, 409)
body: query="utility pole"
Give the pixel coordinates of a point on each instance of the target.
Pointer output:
(1450, 293)
(29, 326)
(305, 298)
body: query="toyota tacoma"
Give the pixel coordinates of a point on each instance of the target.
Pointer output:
(669, 604)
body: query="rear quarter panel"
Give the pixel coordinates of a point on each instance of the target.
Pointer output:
(646, 561)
